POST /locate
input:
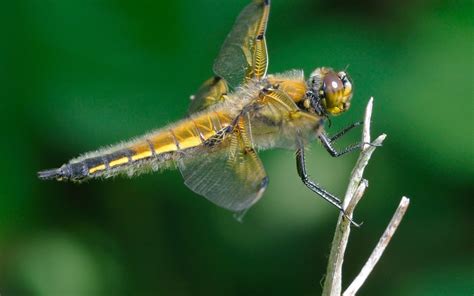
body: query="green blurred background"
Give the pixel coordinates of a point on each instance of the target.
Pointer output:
(76, 75)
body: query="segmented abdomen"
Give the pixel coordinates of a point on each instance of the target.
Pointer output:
(152, 151)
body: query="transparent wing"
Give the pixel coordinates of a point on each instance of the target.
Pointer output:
(243, 56)
(214, 90)
(244, 53)
(278, 122)
(229, 173)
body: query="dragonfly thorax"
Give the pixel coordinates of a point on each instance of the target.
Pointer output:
(330, 92)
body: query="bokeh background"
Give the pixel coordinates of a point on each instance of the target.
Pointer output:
(76, 75)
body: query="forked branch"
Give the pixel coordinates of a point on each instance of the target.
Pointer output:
(379, 248)
(355, 191)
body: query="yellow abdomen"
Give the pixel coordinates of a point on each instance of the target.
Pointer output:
(152, 149)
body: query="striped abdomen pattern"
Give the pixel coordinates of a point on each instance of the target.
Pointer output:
(154, 148)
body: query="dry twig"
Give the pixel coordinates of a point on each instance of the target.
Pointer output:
(355, 190)
(379, 249)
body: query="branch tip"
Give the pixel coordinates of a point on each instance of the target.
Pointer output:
(379, 248)
(354, 193)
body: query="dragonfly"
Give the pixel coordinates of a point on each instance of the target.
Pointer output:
(238, 111)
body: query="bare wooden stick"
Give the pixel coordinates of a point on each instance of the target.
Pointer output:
(357, 195)
(379, 248)
(332, 283)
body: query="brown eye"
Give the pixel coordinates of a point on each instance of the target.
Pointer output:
(332, 84)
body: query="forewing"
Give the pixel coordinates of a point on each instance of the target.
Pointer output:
(244, 53)
(243, 56)
(230, 174)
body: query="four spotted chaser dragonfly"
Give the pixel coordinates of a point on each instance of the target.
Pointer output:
(239, 110)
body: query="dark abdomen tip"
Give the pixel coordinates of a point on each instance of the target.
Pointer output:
(65, 172)
(53, 174)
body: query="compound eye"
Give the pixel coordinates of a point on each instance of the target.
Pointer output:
(332, 85)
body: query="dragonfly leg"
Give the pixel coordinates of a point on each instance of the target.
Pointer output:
(301, 167)
(327, 143)
(344, 131)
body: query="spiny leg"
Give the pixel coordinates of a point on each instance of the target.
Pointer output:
(301, 167)
(345, 130)
(326, 141)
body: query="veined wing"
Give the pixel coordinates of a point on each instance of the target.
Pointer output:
(243, 56)
(244, 53)
(278, 122)
(226, 170)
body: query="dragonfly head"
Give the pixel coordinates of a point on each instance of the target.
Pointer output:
(331, 91)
